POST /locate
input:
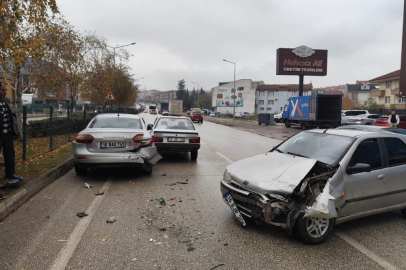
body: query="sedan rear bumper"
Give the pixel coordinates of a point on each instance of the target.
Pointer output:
(177, 147)
(83, 156)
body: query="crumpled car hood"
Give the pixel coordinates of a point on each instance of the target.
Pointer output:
(272, 172)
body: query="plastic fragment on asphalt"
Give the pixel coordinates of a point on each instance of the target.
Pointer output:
(170, 184)
(62, 240)
(166, 236)
(164, 174)
(88, 186)
(111, 220)
(82, 214)
(162, 202)
(190, 248)
(220, 264)
(135, 259)
(172, 198)
(182, 183)
(99, 193)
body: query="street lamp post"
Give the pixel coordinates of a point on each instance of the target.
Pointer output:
(197, 92)
(145, 91)
(234, 87)
(114, 50)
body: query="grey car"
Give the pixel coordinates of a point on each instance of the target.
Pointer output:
(375, 129)
(363, 119)
(175, 134)
(318, 179)
(114, 140)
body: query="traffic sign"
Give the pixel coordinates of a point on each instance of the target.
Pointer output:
(232, 90)
(110, 96)
(233, 96)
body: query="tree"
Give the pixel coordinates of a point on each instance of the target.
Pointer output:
(370, 103)
(202, 92)
(22, 25)
(347, 103)
(205, 101)
(180, 94)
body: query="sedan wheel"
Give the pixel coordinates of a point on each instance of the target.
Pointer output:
(193, 155)
(314, 230)
(403, 212)
(80, 170)
(148, 167)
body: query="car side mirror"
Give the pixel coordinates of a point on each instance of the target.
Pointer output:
(359, 168)
(149, 127)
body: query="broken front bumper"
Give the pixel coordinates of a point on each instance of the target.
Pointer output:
(253, 205)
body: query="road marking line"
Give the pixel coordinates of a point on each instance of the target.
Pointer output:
(65, 254)
(223, 156)
(382, 262)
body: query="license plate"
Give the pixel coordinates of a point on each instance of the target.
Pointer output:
(235, 209)
(352, 120)
(176, 139)
(113, 144)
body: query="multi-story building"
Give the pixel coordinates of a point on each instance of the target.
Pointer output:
(164, 96)
(389, 93)
(222, 96)
(272, 98)
(360, 92)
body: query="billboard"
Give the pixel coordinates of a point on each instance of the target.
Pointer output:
(225, 97)
(301, 61)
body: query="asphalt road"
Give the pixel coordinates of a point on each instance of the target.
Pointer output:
(45, 232)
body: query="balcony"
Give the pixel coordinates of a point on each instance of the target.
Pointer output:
(395, 91)
(378, 93)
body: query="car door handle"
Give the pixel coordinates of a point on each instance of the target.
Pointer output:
(381, 176)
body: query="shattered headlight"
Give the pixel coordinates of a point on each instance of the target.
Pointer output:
(226, 176)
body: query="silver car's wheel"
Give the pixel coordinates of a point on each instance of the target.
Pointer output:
(317, 227)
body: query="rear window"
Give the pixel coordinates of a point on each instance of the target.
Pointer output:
(174, 123)
(196, 113)
(116, 122)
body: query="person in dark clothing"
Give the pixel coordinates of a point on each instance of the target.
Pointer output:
(394, 120)
(7, 132)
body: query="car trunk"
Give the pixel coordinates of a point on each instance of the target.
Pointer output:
(112, 140)
(382, 121)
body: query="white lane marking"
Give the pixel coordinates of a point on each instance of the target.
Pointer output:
(223, 156)
(65, 254)
(382, 262)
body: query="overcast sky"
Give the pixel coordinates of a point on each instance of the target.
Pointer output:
(188, 39)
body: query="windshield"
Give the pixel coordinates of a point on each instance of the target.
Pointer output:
(116, 122)
(317, 146)
(397, 130)
(174, 123)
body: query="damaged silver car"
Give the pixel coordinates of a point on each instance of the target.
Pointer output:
(318, 179)
(115, 140)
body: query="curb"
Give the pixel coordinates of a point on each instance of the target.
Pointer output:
(11, 204)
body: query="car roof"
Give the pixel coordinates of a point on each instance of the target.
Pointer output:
(354, 133)
(122, 115)
(179, 117)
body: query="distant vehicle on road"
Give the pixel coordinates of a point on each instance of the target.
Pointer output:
(112, 140)
(363, 119)
(318, 179)
(313, 111)
(175, 134)
(176, 107)
(214, 114)
(152, 109)
(196, 116)
(163, 106)
(347, 114)
(278, 117)
(165, 113)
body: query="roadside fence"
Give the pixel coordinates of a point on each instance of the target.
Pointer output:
(46, 128)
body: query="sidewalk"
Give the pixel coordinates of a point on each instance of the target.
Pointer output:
(277, 131)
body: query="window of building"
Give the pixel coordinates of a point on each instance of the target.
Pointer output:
(261, 102)
(387, 100)
(402, 100)
(388, 85)
(368, 152)
(270, 102)
(295, 93)
(271, 93)
(262, 93)
(269, 109)
(396, 151)
(262, 109)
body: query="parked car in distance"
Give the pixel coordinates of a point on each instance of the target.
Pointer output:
(165, 113)
(319, 178)
(383, 120)
(374, 128)
(346, 114)
(214, 114)
(175, 134)
(243, 115)
(363, 119)
(205, 111)
(196, 116)
(112, 140)
(277, 117)
(146, 111)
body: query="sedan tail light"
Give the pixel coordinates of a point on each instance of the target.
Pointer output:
(358, 119)
(156, 139)
(84, 138)
(195, 140)
(138, 138)
(147, 143)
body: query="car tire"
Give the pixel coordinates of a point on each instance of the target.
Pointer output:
(312, 230)
(80, 170)
(193, 155)
(287, 124)
(303, 125)
(148, 167)
(201, 121)
(368, 124)
(403, 212)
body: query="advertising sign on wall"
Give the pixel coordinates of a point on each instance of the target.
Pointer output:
(225, 99)
(301, 61)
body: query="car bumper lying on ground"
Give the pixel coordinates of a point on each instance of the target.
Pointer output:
(85, 158)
